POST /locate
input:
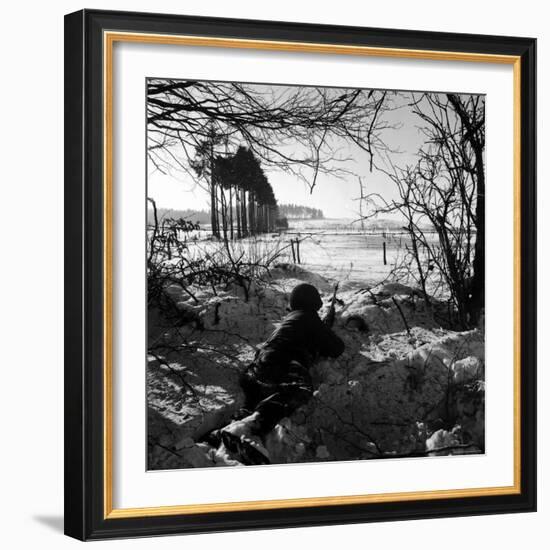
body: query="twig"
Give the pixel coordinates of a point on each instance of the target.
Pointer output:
(402, 315)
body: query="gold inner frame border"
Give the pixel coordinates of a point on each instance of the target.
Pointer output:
(109, 39)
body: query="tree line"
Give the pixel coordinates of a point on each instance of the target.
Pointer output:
(195, 216)
(242, 201)
(297, 211)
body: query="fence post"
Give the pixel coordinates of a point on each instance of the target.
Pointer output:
(292, 248)
(384, 251)
(298, 250)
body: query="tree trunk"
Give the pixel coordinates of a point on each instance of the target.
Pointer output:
(243, 213)
(231, 212)
(260, 215)
(224, 213)
(477, 287)
(213, 206)
(217, 209)
(476, 290)
(213, 198)
(251, 221)
(238, 212)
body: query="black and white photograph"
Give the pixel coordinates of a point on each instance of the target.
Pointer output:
(278, 264)
(315, 274)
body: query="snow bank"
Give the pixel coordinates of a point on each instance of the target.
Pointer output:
(368, 403)
(405, 384)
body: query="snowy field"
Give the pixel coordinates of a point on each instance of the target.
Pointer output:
(347, 257)
(338, 250)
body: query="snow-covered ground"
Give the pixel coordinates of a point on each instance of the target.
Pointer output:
(344, 256)
(406, 379)
(335, 249)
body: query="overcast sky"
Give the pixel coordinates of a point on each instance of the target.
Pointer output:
(334, 196)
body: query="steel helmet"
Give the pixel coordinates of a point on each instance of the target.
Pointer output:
(305, 296)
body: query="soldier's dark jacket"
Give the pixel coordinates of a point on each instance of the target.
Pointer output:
(302, 337)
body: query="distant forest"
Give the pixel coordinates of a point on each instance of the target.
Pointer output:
(297, 211)
(196, 216)
(289, 211)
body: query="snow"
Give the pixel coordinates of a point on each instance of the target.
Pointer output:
(337, 252)
(405, 383)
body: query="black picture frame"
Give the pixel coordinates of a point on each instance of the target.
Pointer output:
(85, 516)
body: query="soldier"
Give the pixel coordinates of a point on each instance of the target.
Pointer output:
(278, 381)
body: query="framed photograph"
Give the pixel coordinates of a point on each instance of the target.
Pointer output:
(300, 274)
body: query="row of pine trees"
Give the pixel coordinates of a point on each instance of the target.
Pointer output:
(242, 201)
